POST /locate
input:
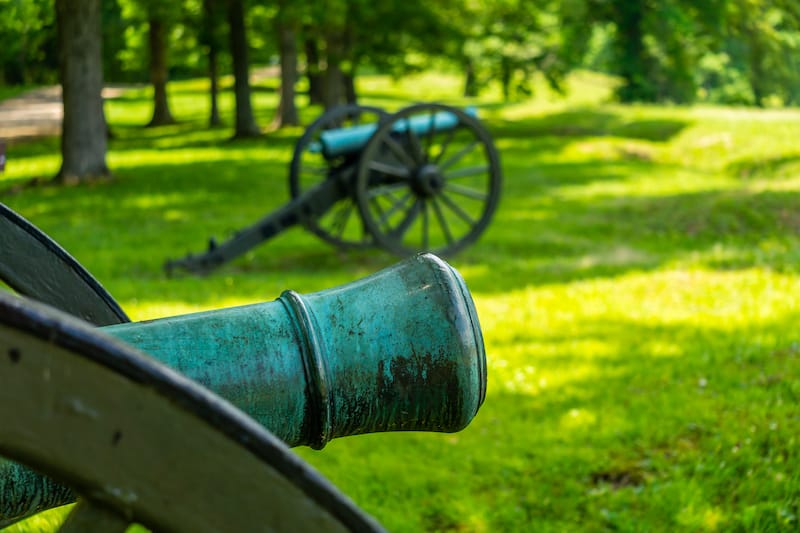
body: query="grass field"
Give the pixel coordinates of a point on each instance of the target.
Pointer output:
(638, 292)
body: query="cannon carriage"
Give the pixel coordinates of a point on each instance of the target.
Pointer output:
(185, 423)
(426, 178)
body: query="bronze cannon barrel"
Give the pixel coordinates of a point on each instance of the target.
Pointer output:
(399, 350)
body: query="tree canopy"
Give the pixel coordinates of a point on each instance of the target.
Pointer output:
(732, 51)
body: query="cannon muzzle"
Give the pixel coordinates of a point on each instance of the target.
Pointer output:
(399, 350)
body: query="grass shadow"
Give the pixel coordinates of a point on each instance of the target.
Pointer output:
(613, 237)
(765, 167)
(590, 122)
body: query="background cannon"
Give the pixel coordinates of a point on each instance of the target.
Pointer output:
(424, 179)
(109, 421)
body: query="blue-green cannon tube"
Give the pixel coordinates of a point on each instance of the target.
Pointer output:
(343, 141)
(399, 350)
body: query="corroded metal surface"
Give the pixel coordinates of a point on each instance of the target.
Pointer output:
(399, 350)
(24, 492)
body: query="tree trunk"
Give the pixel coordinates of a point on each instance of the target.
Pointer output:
(213, 68)
(505, 77)
(159, 72)
(470, 81)
(83, 137)
(245, 121)
(756, 64)
(629, 47)
(333, 73)
(349, 81)
(209, 38)
(350, 60)
(287, 47)
(315, 84)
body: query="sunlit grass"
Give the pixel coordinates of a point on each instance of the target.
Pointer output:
(638, 291)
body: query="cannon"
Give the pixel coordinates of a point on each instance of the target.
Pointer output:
(130, 417)
(427, 178)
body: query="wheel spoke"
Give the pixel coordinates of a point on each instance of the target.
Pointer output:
(448, 174)
(342, 217)
(429, 136)
(376, 206)
(442, 221)
(459, 155)
(413, 143)
(457, 210)
(445, 144)
(392, 170)
(396, 206)
(381, 190)
(399, 152)
(467, 191)
(465, 172)
(406, 223)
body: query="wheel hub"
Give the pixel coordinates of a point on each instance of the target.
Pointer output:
(428, 180)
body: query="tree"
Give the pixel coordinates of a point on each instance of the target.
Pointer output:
(736, 51)
(286, 23)
(209, 37)
(159, 67)
(657, 46)
(765, 48)
(507, 41)
(313, 66)
(324, 49)
(83, 138)
(245, 124)
(148, 44)
(28, 51)
(342, 35)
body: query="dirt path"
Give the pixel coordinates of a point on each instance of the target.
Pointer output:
(33, 114)
(37, 113)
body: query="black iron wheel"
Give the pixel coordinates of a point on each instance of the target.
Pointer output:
(34, 265)
(428, 180)
(314, 161)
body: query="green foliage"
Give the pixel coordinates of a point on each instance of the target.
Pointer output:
(720, 82)
(727, 51)
(743, 51)
(656, 46)
(385, 32)
(510, 40)
(765, 48)
(183, 22)
(379, 34)
(638, 293)
(27, 42)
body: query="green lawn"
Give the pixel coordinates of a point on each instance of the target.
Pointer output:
(637, 290)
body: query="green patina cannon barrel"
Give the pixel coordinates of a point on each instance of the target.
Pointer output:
(399, 350)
